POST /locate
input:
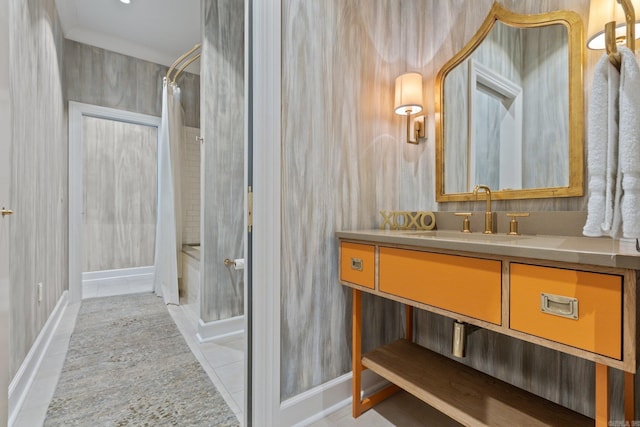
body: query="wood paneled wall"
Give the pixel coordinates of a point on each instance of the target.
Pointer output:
(109, 79)
(342, 162)
(120, 189)
(222, 127)
(38, 229)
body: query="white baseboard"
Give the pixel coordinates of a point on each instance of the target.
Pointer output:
(220, 328)
(92, 276)
(24, 377)
(312, 405)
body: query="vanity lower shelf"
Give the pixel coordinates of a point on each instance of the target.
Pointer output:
(462, 393)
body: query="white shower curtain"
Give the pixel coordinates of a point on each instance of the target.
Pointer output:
(169, 215)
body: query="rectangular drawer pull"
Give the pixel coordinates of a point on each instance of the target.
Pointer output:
(559, 305)
(356, 264)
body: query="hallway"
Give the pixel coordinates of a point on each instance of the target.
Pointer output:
(222, 360)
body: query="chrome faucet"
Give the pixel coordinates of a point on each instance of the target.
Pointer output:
(488, 215)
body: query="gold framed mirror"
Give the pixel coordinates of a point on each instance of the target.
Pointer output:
(509, 109)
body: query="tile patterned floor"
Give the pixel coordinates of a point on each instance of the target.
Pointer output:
(222, 360)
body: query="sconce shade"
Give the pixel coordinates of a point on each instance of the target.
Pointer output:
(603, 11)
(408, 94)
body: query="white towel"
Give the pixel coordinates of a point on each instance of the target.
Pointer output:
(602, 144)
(629, 168)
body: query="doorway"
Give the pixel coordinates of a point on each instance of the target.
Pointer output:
(119, 206)
(112, 207)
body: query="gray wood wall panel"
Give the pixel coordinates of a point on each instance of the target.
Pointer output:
(222, 81)
(119, 194)
(344, 159)
(109, 79)
(38, 229)
(342, 162)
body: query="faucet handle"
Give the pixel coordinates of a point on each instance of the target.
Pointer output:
(466, 224)
(513, 224)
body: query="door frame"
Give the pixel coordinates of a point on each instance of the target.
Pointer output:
(264, 116)
(78, 110)
(5, 200)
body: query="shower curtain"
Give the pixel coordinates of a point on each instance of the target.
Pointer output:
(169, 215)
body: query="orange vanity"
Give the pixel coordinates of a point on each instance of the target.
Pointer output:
(572, 294)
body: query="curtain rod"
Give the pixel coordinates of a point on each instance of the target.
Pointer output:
(183, 66)
(182, 58)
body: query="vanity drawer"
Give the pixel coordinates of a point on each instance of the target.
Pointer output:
(577, 308)
(464, 285)
(357, 264)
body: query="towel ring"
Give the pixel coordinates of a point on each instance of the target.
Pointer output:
(610, 33)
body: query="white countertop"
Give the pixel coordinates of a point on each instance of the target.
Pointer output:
(599, 251)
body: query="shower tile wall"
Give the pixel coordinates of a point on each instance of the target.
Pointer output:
(344, 159)
(223, 158)
(38, 229)
(119, 194)
(191, 186)
(108, 79)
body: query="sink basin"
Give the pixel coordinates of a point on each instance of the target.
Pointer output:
(460, 236)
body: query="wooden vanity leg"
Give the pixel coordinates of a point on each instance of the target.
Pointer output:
(408, 334)
(360, 405)
(629, 397)
(356, 360)
(602, 395)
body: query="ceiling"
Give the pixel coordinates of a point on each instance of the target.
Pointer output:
(154, 30)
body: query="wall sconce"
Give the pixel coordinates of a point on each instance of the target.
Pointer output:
(602, 12)
(408, 101)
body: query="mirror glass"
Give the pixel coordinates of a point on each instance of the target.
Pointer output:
(510, 109)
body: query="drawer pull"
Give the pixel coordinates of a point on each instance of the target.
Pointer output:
(559, 305)
(356, 264)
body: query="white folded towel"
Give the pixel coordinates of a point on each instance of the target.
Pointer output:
(602, 149)
(629, 168)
